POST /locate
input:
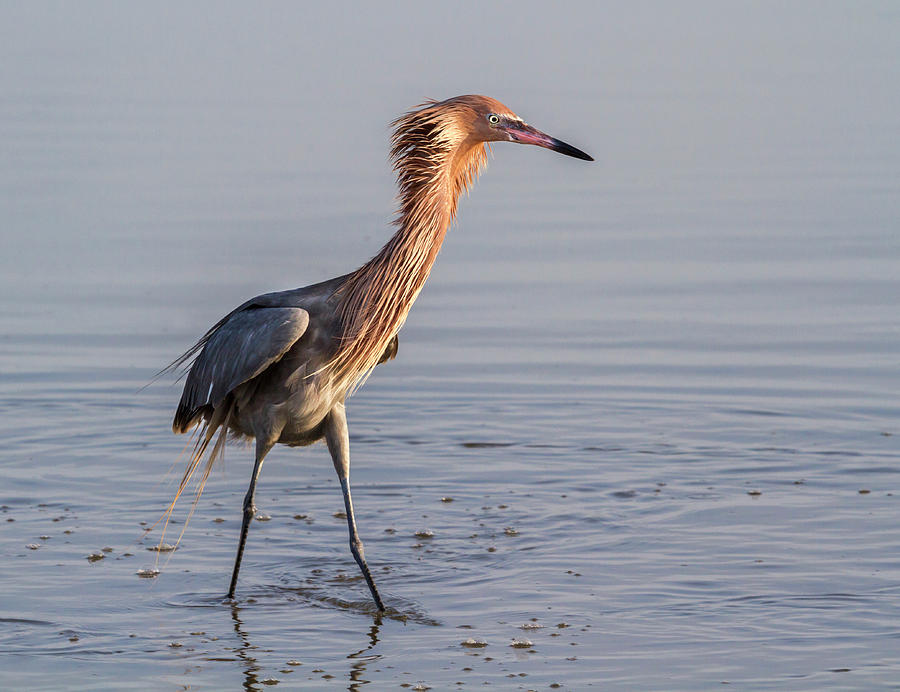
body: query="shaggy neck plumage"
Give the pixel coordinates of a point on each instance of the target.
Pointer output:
(435, 160)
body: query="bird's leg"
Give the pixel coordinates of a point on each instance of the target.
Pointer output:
(338, 440)
(262, 448)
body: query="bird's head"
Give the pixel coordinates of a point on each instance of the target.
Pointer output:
(487, 120)
(448, 138)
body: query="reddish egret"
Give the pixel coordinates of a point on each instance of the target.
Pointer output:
(278, 368)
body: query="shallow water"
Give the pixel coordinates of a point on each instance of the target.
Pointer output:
(644, 414)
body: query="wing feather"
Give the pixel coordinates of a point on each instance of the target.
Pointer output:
(236, 350)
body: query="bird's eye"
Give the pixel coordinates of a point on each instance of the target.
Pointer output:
(493, 119)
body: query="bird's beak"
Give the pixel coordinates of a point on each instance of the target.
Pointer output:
(526, 134)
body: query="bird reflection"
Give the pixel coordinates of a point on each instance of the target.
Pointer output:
(251, 667)
(361, 660)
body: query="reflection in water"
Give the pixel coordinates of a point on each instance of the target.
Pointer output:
(360, 661)
(251, 667)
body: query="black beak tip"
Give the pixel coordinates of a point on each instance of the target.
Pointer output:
(569, 150)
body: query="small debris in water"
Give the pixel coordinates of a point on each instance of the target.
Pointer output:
(162, 548)
(148, 573)
(522, 643)
(93, 557)
(492, 549)
(73, 638)
(33, 546)
(472, 643)
(863, 491)
(263, 517)
(424, 533)
(510, 531)
(446, 499)
(391, 531)
(754, 493)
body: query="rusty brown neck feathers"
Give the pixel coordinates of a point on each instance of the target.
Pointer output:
(436, 159)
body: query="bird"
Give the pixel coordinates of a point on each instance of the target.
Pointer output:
(279, 368)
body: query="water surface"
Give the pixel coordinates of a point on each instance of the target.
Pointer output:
(646, 407)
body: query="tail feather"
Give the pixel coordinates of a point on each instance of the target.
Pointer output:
(219, 421)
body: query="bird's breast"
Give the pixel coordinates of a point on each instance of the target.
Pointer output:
(289, 401)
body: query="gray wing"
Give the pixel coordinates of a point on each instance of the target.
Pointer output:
(236, 350)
